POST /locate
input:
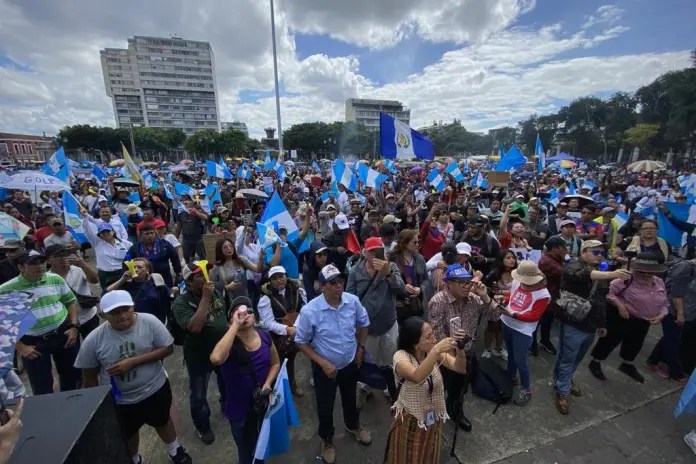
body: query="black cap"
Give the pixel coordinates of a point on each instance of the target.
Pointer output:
(554, 242)
(29, 257)
(56, 249)
(477, 221)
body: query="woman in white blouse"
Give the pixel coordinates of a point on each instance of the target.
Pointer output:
(110, 251)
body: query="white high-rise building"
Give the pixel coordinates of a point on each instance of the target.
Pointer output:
(236, 125)
(366, 112)
(162, 82)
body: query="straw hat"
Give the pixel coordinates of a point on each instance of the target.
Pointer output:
(528, 273)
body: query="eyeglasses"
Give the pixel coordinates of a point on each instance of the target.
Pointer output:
(462, 283)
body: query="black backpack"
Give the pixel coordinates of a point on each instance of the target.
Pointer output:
(491, 382)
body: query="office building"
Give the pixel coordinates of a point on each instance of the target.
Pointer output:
(366, 112)
(162, 82)
(236, 125)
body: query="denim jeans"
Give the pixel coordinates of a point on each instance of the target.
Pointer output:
(325, 390)
(199, 376)
(517, 345)
(667, 348)
(245, 434)
(572, 346)
(40, 370)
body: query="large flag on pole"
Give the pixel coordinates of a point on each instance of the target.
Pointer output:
(57, 165)
(397, 140)
(274, 436)
(129, 166)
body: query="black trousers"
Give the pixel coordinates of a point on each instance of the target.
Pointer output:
(687, 347)
(325, 390)
(629, 333)
(456, 385)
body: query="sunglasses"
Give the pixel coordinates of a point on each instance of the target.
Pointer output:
(597, 252)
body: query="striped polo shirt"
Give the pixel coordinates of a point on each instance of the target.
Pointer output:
(52, 298)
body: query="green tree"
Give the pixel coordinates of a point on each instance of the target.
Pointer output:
(202, 143)
(231, 142)
(641, 134)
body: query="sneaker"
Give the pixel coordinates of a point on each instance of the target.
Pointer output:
(501, 353)
(575, 390)
(562, 404)
(523, 397)
(631, 371)
(362, 435)
(207, 437)
(328, 452)
(657, 370)
(596, 370)
(486, 354)
(690, 439)
(181, 457)
(548, 347)
(362, 397)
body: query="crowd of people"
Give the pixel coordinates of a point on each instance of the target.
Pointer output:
(402, 279)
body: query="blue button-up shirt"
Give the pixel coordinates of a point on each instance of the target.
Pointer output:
(331, 331)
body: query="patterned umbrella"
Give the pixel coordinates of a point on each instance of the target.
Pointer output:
(646, 166)
(17, 319)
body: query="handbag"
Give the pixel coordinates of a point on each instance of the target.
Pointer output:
(85, 301)
(576, 308)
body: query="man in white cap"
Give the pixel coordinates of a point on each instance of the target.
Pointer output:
(331, 331)
(336, 242)
(127, 353)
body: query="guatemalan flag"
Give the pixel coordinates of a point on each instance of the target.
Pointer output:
(149, 182)
(539, 151)
(479, 181)
(370, 177)
(668, 231)
(390, 165)
(99, 173)
(453, 170)
(57, 165)
(399, 141)
(243, 172)
(345, 176)
(436, 180)
(216, 170)
(274, 436)
(73, 218)
(276, 215)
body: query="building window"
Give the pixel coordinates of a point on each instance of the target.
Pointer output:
(31, 149)
(16, 148)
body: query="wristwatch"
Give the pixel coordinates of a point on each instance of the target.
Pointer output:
(75, 325)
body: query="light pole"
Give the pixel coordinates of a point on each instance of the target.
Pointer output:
(275, 74)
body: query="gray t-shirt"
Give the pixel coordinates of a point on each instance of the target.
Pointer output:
(105, 346)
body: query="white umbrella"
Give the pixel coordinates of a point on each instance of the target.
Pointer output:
(289, 163)
(646, 166)
(34, 180)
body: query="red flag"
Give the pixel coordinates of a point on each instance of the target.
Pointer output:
(352, 243)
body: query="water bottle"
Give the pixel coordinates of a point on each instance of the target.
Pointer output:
(604, 266)
(114, 389)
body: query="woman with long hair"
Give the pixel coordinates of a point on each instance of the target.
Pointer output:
(499, 281)
(249, 363)
(435, 231)
(148, 289)
(415, 435)
(417, 289)
(230, 268)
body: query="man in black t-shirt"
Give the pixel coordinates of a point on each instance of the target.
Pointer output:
(8, 266)
(484, 248)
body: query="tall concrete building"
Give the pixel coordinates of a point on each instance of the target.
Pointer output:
(162, 82)
(366, 112)
(236, 125)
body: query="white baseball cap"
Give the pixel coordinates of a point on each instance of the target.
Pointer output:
(115, 299)
(341, 221)
(463, 249)
(329, 273)
(276, 270)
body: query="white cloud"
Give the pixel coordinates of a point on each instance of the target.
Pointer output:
(504, 73)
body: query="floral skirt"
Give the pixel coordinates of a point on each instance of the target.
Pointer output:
(407, 443)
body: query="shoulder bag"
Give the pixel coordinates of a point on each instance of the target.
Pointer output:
(575, 307)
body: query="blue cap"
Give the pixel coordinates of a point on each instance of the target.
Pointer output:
(103, 227)
(457, 271)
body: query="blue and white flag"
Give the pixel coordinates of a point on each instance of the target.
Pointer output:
(274, 436)
(73, 218)
(345, 176)
(571, 187)
(316, 167)
(360, 197)
(134, 197)
(183, 189)
(436, 180)
(390, 165)
(453, 170)
(399, 141)
(276, 215)
(212, 193)
(216, 170)
(269, 164)
(621, 218)
(57, 165)
(588, 185)
(539, 151)
(99, 173)
(168, 192)
(479, 181)
(668, 231)
(267, 236)
(243, 172)
(333, 191)
(370, 177)
(148, 181)
(279, 168)
(553, 197)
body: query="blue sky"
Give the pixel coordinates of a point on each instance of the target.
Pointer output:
(486, 62)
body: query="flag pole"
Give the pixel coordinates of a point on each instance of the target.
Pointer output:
(277, 91)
